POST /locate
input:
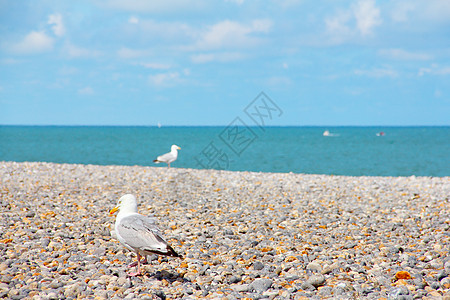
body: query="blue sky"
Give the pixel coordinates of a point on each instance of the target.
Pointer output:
(201, 62)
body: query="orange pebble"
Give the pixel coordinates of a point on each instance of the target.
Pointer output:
(402, 275)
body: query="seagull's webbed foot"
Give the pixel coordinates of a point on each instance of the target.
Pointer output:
(138, 263)
(134, 274)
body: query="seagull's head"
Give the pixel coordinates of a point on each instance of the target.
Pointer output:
(175, 147)
(126, 203)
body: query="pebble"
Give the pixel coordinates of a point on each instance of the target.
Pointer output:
(240, 288)
(257, 265)
(398, 293)
(242, 234)
(235, 279)
(307, 286)
(314, 266)
(316, 280)
(261, 285)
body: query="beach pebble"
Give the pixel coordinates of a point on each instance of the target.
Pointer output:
(242, 234)
(316, 280)
(307, 286)
(257, 265)
(314, 266)
(261, 285)
(240, 288)
(398, 293)
(235, 279)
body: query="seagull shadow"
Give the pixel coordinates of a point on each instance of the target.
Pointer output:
(171, 277)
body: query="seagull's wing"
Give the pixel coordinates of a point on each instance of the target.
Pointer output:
(168, 157)
(141, 233)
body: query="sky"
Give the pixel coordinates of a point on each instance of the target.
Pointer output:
(202, 62)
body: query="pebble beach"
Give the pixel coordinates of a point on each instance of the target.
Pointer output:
(243, 235)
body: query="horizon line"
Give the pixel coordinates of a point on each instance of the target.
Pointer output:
(251, 126)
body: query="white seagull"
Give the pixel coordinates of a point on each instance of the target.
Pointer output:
(139, 233)
(168, 157)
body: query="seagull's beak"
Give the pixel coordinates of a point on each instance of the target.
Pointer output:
(178, 148)
(112, 211)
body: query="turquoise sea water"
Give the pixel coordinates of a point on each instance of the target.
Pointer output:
(402, 151)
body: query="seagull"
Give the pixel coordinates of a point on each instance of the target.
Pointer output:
(168, 157)
(139, 233)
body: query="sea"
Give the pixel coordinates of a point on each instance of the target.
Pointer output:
(352, 151)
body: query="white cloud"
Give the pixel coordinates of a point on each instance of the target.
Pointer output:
(402, 10)
(66, 70)
(9, 61)
(401, 54)
(133, 20)
(132, 53)
(86, 91)
(418, 11)
(279, 81)
(34, 42)
(423, 71)
(443, 71)
(156, 66)
(261, 25)
(146, 6)
(78, 52)
(239, 2)
(184, 37)
(217, 57)
(151, 30)
(434, 70)
(438, 93)
(377, 73)
(337, 26)
(287, 3)
(232, 34)
(358, 20)
(164, 79)
(58, 26)
(367, 16)
(203, 58)
(436, 10)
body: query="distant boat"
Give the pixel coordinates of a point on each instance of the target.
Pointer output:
(328, 133)
(381, 133)
(159, 125)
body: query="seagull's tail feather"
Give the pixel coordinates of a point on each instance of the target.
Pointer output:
(172, 252)
(169, 252)
(156, 161)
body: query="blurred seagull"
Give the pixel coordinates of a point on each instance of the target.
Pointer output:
(139, 233)
(168, 157)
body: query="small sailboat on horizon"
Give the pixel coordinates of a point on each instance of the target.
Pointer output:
(328, 133)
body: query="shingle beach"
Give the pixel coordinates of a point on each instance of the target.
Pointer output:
(242, 234)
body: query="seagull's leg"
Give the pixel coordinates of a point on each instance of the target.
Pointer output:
(138, 266)
(134, 264)
(168, 164)
(144, 261)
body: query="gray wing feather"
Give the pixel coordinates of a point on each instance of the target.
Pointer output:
(166, 157)
(140, 232)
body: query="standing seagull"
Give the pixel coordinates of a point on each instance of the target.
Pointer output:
(168, 157)
(139, 233)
